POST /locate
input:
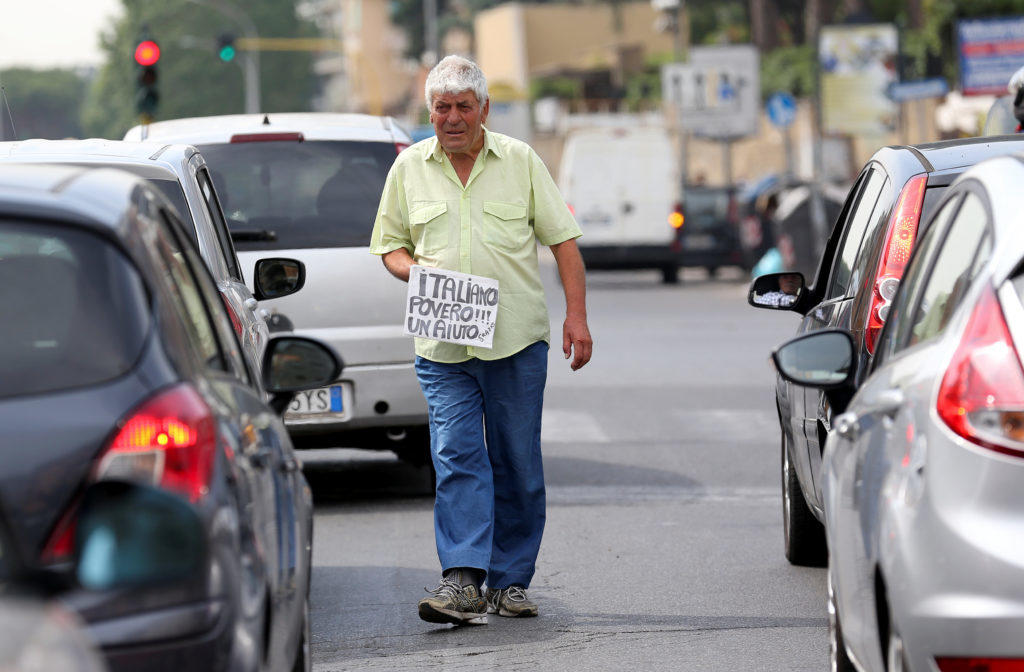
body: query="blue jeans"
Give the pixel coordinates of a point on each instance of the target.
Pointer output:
(485, 441)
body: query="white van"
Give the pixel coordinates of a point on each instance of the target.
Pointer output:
(622, 184)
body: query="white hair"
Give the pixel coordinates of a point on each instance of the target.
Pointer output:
(453, 75)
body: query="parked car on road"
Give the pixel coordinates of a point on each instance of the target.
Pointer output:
(710, 233)
(179, 172)
(853, 288)
(922, 472)
(307, 186)
(120, 363)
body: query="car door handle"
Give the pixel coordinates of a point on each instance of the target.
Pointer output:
(848, 426)
(888, 402)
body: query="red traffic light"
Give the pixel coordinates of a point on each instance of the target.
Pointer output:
(147, 53)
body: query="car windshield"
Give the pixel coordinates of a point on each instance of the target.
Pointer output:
(288, 194)
(77, 312)
(706, 209)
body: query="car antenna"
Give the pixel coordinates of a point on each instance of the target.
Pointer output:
(266, 120)
(3, 93)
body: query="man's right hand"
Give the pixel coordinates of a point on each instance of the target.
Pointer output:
(398, 262)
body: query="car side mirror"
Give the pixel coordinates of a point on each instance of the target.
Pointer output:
(294, 363)
(128, 534)
(777, 291)
(822, 359)
(277, 277)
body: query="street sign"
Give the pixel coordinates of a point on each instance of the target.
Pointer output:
(781, 109)
(717, 93)
(935, 87)
(991, 50)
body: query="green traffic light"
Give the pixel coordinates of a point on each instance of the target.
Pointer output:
(227, 53)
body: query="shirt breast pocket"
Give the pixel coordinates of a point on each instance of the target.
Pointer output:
(505, 225)
(429, 227)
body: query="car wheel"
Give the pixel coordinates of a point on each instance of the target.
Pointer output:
(804, 536)
(670, 275)
(838, 659)
(303, 657)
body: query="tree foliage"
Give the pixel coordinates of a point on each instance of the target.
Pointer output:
(192, 80)
(43, 103)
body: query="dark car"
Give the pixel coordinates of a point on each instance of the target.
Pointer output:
(710, 234)
(856, 280)
(120, 363)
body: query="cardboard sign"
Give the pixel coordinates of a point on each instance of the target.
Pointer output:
(451, 306)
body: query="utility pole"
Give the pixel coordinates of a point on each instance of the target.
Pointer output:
(430, 46)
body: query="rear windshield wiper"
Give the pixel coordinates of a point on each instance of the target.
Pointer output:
(253, 235)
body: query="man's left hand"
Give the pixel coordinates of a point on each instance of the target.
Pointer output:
(576, 341)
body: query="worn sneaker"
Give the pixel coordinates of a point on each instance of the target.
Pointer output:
(452, 603)
(511, 602)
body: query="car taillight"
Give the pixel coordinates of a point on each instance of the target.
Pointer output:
(982, 393)
(980, 664)
(399, 146)
(170, 441)
(235, 322)
(899, 243)
(572, 210)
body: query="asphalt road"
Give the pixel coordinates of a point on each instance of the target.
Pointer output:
(663, 545)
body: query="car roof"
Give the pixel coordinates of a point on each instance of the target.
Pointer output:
(962, 152)
(164, 156)
(98, 198)
(312, 125)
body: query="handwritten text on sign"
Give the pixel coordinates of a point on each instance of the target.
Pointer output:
(451, 306)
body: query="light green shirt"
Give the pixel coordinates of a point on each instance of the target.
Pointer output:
(489, 227)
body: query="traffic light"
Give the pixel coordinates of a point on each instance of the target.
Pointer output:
(147, 54)
(226, 47)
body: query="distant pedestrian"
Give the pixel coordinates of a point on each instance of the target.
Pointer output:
(475, 201)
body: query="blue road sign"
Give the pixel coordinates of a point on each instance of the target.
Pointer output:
(781, 108)
(921, 88)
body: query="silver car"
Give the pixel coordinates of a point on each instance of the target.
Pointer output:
(180, 174)
(923, 472)
(307, 186)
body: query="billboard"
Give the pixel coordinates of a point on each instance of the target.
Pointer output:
(858, 65)
(718, 92)
(991, 50)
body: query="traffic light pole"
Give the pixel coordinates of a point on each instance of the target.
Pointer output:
(250, 62)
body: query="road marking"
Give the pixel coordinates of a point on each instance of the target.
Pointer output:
(561, 426)
(727, 424)
(567, 495)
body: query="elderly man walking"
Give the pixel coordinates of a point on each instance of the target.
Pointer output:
(475, 201)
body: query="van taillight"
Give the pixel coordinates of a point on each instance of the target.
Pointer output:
(899, 243)
(982, 393)
(236, 323)
(169, 441)
(399, 146)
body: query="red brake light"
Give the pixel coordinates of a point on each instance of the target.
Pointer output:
(236, 324)
(169, 441)
(982, 393)
(980, 664)
(267, 137)
(899, 243)
(399, 146)
(572, 210)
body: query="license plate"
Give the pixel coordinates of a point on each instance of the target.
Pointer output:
(324, 400)
(595, 220)
(702, 241)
